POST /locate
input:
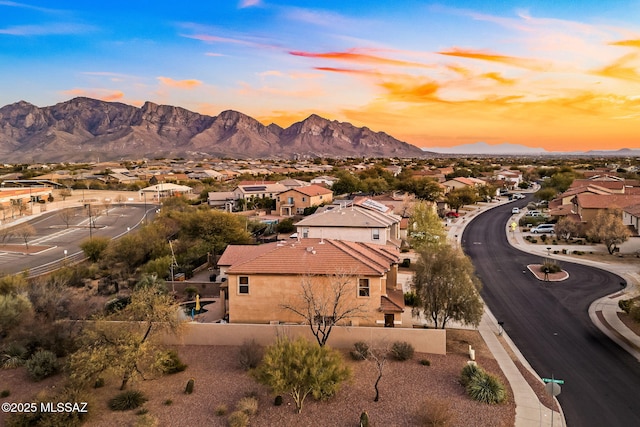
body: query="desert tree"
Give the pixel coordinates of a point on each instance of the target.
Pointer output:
(67, 215)
(376, 354)
(566, 228)
(64, 193)
(5, 234)
(106, 204)
(325, 301)
(446, 287)
(301, 368)
(126, 347)
(459, 197)
(607, 227)
(94, 248)
(25, 232)
(425, 226)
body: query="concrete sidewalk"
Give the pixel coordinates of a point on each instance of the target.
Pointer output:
(530, 411)
(603, 313)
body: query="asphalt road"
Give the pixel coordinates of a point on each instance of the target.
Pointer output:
(549, 323)
(51, 230)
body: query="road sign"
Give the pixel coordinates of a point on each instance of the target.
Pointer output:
(552, 380)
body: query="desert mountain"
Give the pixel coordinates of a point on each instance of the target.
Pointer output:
(85, 129)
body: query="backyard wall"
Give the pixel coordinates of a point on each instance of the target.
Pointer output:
(432, 341)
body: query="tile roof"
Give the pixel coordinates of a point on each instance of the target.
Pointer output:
(352, 217)
(599, 201)
(393, 301)
(313, 190)
(311, 256)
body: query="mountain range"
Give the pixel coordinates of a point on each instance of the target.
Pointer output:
(86, 129)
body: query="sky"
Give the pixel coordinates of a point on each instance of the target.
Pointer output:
(559, 75)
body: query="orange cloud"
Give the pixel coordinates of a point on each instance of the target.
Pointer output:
(102, 94)
(623, 69)
(493, 57)
(352, 56)
(629, 43)
(498, 78)
(409, 92)
(179, 84)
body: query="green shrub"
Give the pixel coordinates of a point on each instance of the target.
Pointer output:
(248, 405)
(220, 410)
(425, 362)
(533, 240)
(486, 388)
(410, 298)
(360, 351)
(190, 384)
(99, 383)
(5, 393)
(469, 371)
(142, 411)
(634, 313)
(42, 364)
(550, 266)
(364, 419)
(435, 412)
(13, 356)
(168, 402)
(249, 355)
(127, 400)
(543, 238)
(238, 419)
(190, 291)
(401, 350)
(625, 305)
(168, 362)
(277, 401)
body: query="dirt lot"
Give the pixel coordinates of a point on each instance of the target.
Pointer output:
(405, 388)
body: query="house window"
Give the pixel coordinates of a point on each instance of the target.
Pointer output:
(243, 284)
(376, 234)
(363, 287)
(290, 200)
(304, 199)
(305, 233)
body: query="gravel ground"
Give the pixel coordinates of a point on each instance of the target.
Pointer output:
(405, 389)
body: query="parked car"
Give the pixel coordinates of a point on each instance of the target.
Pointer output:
(452, 214)
(534, 213)
(518, 196)
(543, 228)
(515, 210)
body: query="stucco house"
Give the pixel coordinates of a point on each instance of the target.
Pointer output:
(295, 200)
(354, 223)
(260, 279)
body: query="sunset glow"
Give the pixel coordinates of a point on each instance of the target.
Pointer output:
(546, 74)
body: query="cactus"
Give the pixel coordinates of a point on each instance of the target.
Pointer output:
(190, 384)
(364, 419)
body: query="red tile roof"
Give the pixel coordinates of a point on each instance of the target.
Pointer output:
(392, 302)
(311, 256)
(313, 190)
(599, 201)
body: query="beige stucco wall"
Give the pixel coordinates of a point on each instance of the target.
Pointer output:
(298, 203)
(432, 341)
(267, 294)
(350, 234)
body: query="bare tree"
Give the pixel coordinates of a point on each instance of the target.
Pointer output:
(566, 228)
(377, 355)
(120, 199)
(25, 232)
(325, 301)
(66, 215)
(5, 234)
(106, 202)
(64, 193)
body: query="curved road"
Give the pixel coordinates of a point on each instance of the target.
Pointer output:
(549, 323)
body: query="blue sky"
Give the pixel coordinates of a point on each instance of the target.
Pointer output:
(554, 74)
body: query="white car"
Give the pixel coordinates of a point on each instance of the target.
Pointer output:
(515, 210)
(543, 228)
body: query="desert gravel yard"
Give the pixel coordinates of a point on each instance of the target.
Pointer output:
(405, 389)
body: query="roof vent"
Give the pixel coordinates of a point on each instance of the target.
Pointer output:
(310, 249)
